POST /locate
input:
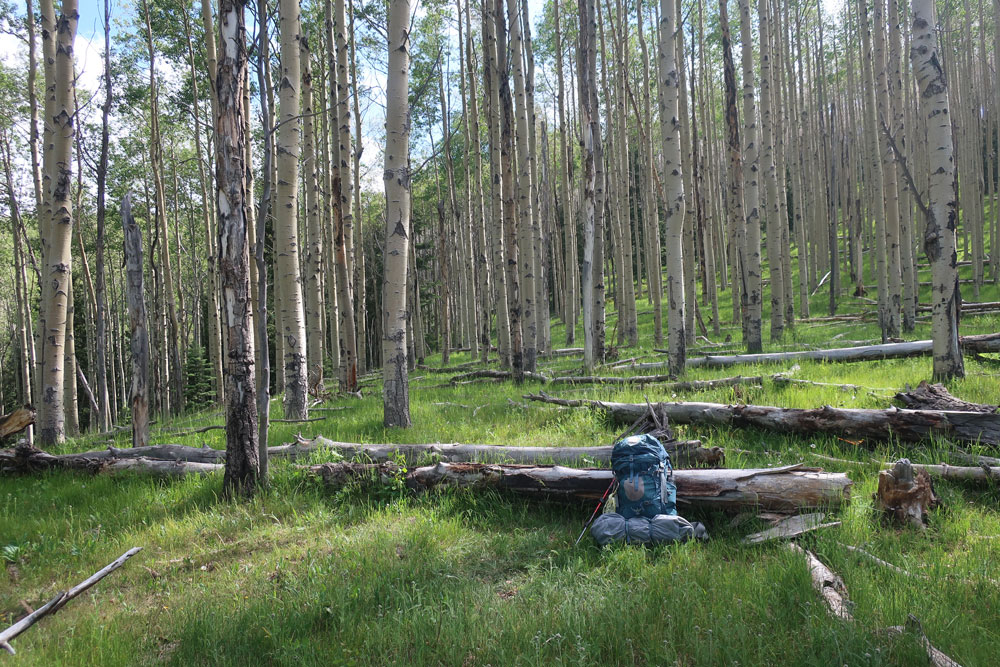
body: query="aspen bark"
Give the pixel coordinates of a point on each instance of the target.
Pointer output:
(343, 187)
(396, 389)
(941, 212)
(571, 306)
(670, 130)
(512, 253)
(139, 393)
(753, 297)
(57, 257)
(774, 220)
(590, 127)
(491, 76)
(242, 472)
(313, 261)
(286, 234)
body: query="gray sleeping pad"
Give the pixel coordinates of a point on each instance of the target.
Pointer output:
(661, 529)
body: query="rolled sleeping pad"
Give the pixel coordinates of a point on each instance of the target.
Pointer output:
(660, 529)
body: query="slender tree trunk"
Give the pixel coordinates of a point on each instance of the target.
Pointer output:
(774, 220)
(396, 388)
(343, 187)
(510, 221)
(491, 78)
(752, 296)
(139, 393)
(670, 130)
(57, 257)
(941, 209)
(590, 126)
(650, 208)
(286, 234)
(571, 304)
(313, 264)
(474, 188)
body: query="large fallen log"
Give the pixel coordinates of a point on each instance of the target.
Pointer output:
(906, 425)
(937, 397)
(27, 459)
(787, 489)
(16, 421)
(683, 453)
(985, 343)
(664, 381)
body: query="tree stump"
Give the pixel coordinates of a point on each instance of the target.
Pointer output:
(905, 497)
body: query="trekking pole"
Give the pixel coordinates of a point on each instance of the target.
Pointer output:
(596, 510)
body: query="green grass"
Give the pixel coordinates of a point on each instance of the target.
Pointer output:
(303, 575)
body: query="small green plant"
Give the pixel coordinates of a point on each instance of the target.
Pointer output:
(11, 553)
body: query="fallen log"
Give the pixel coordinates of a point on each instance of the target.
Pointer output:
(936, 657)
(497, 375)
(16, 421)
(664, 381)
(683, 453)
(937, 397)
(827, 583)
(982, 473)
(865, 424)
(60, 600)
(28, 459)
(791, 527)
(970, 344)
(788, 489)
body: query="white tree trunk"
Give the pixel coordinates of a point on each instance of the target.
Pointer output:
(942, 212)
(396, 391)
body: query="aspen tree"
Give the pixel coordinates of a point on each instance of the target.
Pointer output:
(477, 212)
(57, 257)
(286, 234)
(510, 222)
(649, 205)
(774, 220)
(242, 473)
(396, 388)
(891, 192)
(571, 305)
(525, 211)
(312, 267)
(343, 186)
(590, 131)
(941, 211)
(670, 130)
(491, 81)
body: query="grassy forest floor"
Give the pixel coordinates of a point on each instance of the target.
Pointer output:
(307, 576)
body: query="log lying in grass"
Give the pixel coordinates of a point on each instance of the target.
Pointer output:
(979, 344)
(960, 473)
(28, 459)
(827, 583)
(791, 527)
(936, 657)
(937, 397)
(491, 374)
(682, 452)
(16, 421)
(663, 380)
(60, 600)
(906, 425)
(788, 489)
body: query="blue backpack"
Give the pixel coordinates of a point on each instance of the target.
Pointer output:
(642, 468)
